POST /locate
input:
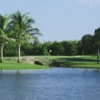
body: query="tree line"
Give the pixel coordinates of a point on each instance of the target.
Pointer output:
(88, 45)
(18, 37)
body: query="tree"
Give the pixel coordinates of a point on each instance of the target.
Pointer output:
(46, 47)
(22, 29)
(57, 48)
(37, 47)
(26, 48)
(70, 47)
(10, 49)
(80, 50)
(88, 44)
(67, 47)
(97, 42)
(73, 45)
(4, 24)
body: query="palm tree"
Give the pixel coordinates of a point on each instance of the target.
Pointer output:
(22, 29)
(4, 24)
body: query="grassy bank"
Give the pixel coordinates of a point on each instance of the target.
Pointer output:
(13, 65)
(76, 61)
(73, 61)
(56, 61)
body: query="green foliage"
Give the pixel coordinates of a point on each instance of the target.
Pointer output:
(73, 47)
(22, 29)
(88, 44)
(97, 42)
(70, 47)
(80, 50)
(97, 37)
(37, 48)
(45, 52)
(26, 48)
(57, 48)
(10, 49)
(17, 31)
(4, 26)
(45, 48)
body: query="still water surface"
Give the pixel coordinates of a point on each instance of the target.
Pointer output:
(51, 84)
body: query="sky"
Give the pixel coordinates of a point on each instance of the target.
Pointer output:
(58, 20)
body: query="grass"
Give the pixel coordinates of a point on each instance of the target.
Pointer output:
(13, 65)
(57, 61)
(77, 61)
(86, 61)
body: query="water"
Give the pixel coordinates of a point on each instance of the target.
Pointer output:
(51, 84)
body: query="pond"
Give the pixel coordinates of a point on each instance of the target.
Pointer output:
(50, 84)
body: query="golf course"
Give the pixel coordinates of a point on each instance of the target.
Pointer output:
(46, 62)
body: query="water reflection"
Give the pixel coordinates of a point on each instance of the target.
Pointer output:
(50, 84)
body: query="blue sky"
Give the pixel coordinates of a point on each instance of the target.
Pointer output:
(58, 20)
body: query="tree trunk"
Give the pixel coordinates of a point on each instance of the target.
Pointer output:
(98, 56)
(1, 60)
(19, 59)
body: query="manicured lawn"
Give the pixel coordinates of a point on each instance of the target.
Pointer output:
(56, 61)
(74, 61)
(13, 65)
(77, 61)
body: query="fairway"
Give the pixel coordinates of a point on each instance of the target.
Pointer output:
(86, 61)
(13, 65)
(77, 61)
(55, 61)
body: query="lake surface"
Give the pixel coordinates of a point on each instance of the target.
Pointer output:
(50, 84)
